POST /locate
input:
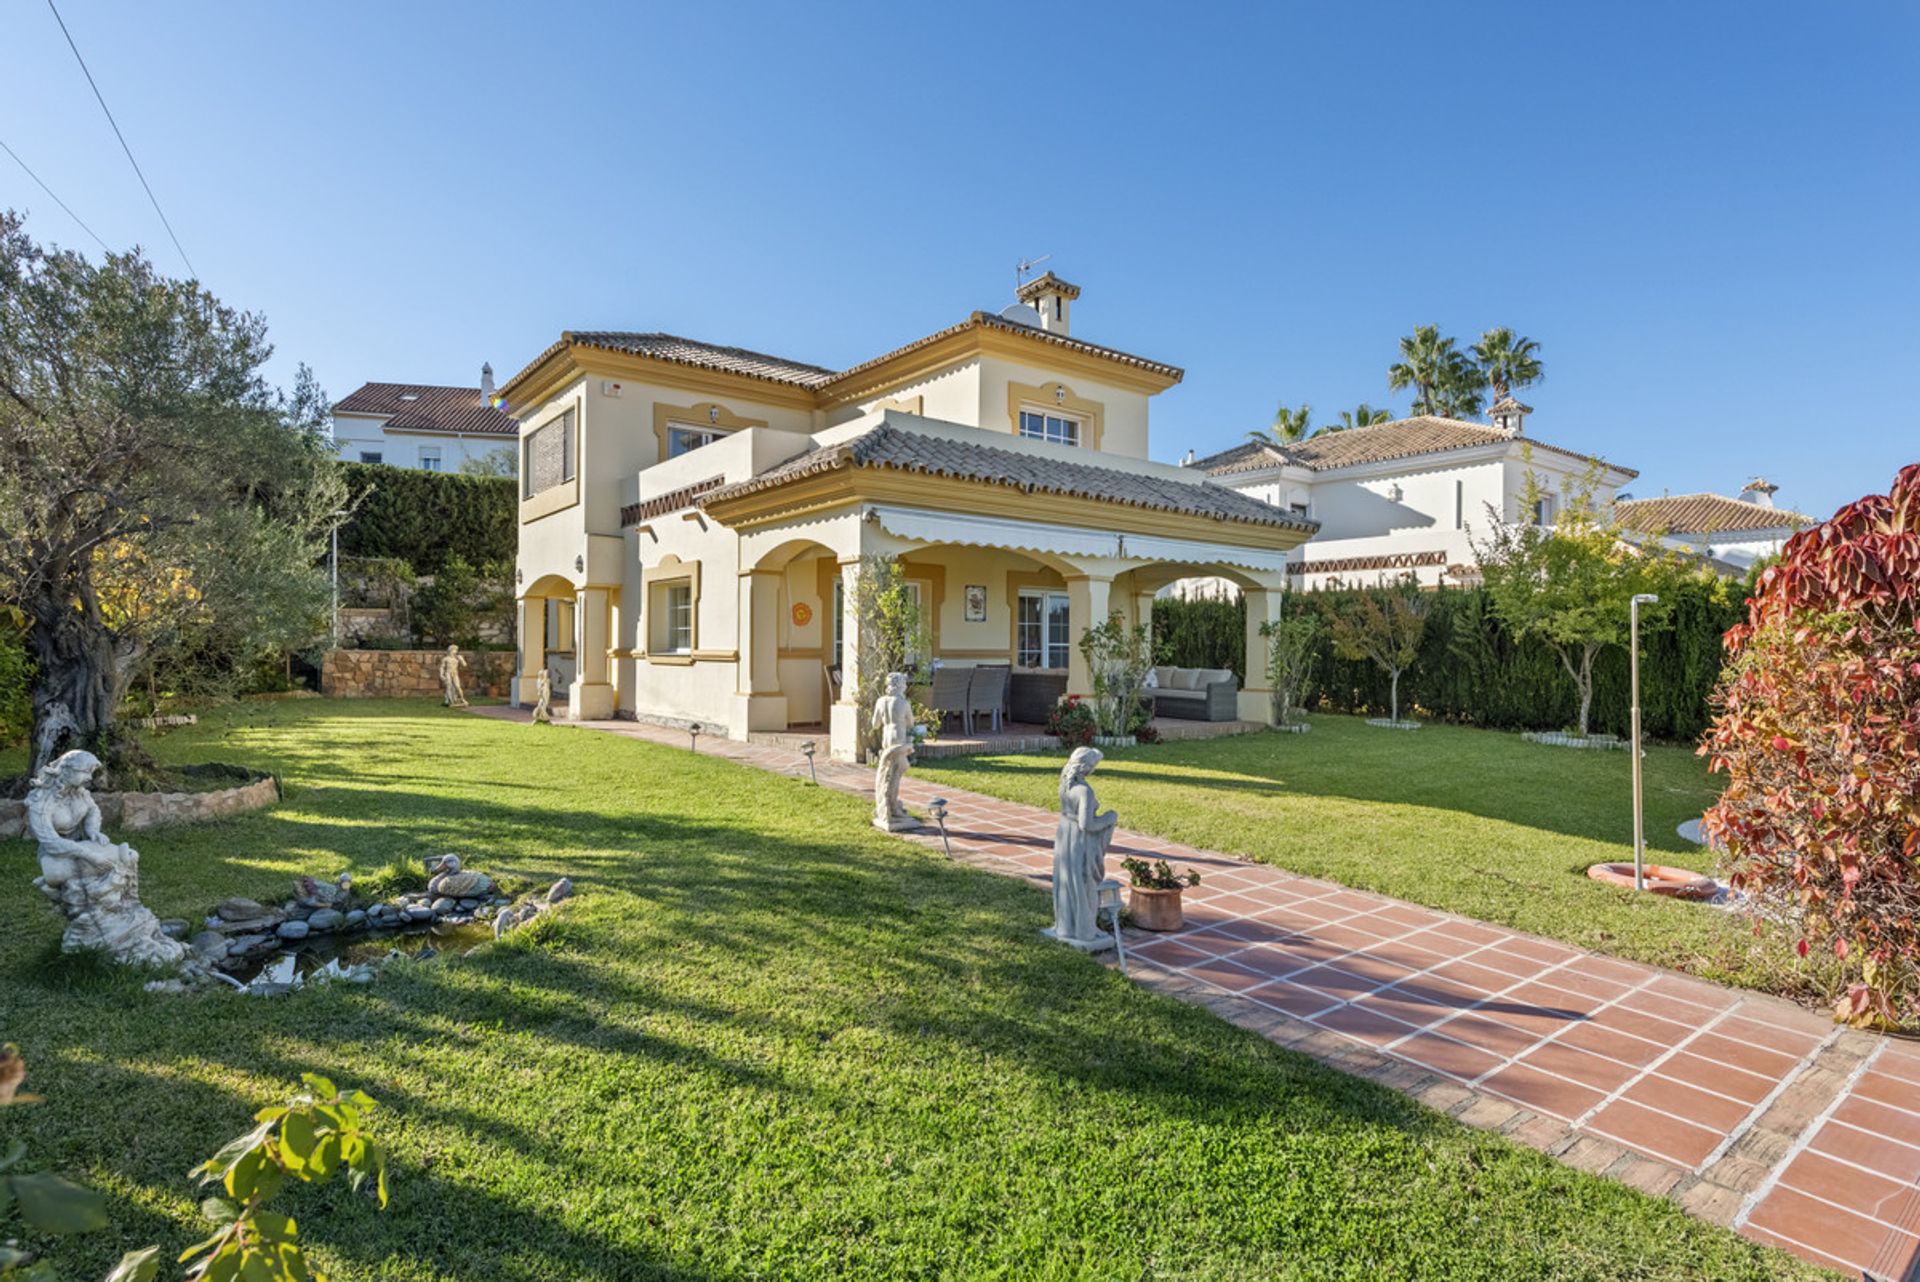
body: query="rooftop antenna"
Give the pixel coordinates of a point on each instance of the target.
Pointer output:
(1024, 266)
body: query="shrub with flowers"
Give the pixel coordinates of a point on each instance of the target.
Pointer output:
(1072, 721)
(1818, 732)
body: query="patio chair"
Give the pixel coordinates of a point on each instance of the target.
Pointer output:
(987, 693)
(1109, 902)
(949, 696)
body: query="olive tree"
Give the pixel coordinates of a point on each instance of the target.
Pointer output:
(154, 489)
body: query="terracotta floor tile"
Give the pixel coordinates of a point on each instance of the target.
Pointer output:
(1472, 932)
(1228, 975)
(1667, 1138)
(1282, 995)
(1901, 1062)
(1771, 1036)
(1367, 1026)
(1763, 1060)
(1380, 928)
(1270, 960)
(1774, 1013)
(1315, 910)
(1479, 978)
(1879, 1119)
(1536, 950)
(1831, 1229)
(1632, 974)
(1867, 1193)
(1345, 936)
(1687, 1015)
(1239, 905)
(1336, 981)
(1604, 1075)
(1538, 1020)
(1355, 902)
(1867, 1148)
(1748, 1088)
(1410, 917)
(1216, 940)
(1374, 966)
(1476, 1030)
(1547, 997)
(1894, 1092)
(1572, 980)
(1805, 1252)
(1688, 1103)
(1517, 969)
(1409, 955)
(1171, 952)
(1448, 1056)
(1542, 1092)
(1601, 1040)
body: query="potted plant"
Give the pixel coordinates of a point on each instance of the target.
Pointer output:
(1154, 901)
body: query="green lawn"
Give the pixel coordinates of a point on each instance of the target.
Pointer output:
(765, 1042)
(1471, 821)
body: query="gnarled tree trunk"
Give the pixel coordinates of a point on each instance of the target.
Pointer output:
(81, 674)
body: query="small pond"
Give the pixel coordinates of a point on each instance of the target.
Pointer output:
(316, 951)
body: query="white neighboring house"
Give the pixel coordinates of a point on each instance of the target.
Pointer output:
(1407, 497)
(1730, 533)
(417, 425)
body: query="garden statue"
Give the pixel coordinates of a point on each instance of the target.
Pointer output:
(1080, 856)
(893, 718)
(543, 696)
(94, 882)
(450, 667)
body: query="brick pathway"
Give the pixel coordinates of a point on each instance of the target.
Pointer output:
(1745, 1109)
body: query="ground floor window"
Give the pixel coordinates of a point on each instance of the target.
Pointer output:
(677, 609)
(430, 458)
(369, 456)
(1043, 637)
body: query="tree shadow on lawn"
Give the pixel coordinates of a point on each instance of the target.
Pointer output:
(1563, 791)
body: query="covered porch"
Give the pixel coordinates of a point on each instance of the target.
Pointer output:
(1002, 598)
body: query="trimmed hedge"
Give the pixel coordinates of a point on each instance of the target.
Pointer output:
(422, 518)
(16, 680)
(1472, 671)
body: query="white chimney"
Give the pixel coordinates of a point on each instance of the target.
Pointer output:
(1759, 490)
(486, 384)
(1509, 416)
(1052, 298)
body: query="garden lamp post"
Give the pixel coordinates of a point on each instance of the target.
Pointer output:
(1633, 682)
(808, 749)
(938, 809)
(693, 736)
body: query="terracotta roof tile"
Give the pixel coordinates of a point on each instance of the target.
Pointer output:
(1381, 443)
(1704, 514)
(689, 351)
(892, 447)
(418, 407)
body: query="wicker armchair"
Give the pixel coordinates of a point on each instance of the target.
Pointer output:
(987, 693)
(949, 695)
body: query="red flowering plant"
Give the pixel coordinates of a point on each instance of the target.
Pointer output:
(1072, 721)
(1818, 732)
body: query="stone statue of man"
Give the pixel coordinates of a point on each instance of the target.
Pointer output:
(451, 693)
(1080, 856)
(893, 718)
(94, 882)
(543, 696)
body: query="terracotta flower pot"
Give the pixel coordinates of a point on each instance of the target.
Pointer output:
(1155, 909)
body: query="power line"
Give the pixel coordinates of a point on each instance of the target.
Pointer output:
(122, 137)
(50, 192)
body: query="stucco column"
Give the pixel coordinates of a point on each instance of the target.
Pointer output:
(1089, 602)
(845, 717)
(592, 689)
(1256, 693)
(758, 701)
(533, 649)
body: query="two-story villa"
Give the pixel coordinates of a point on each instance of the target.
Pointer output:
(1408, 498)
(693, 516)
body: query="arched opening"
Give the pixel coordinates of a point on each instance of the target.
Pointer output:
(548, 630)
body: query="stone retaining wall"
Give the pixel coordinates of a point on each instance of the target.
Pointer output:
(130, 811)
(410, 674)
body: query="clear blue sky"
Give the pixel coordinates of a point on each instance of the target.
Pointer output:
(1706, 213)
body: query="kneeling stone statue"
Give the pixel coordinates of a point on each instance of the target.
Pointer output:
(94, 882)
(1080, 857)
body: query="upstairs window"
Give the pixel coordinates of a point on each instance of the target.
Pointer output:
(1543, 510)
(682, 439)
(549, 453)
(1057, 428)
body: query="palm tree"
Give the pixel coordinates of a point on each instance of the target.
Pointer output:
(1288, 426)
(1507, 362)
(1362, 415)
(1445, 381)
